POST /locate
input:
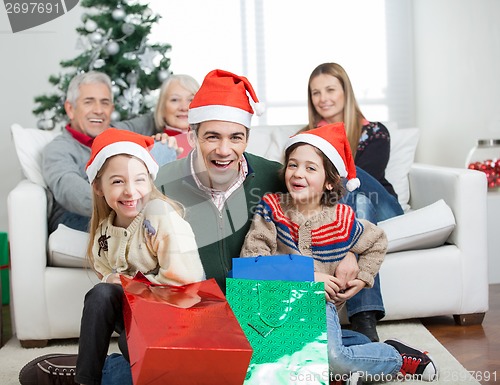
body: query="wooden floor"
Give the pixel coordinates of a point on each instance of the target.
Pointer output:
(477, 348)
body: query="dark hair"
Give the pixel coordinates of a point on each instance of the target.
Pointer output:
(329, 197)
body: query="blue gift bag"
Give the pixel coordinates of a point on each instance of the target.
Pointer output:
(286, 267)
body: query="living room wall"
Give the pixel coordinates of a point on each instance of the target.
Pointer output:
(457, 56)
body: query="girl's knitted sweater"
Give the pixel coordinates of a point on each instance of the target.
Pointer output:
(279, 228)
(159, 243)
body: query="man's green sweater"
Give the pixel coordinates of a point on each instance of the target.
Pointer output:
(220, 234)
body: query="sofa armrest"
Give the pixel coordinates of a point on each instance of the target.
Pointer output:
(465, 191)
(27, 219)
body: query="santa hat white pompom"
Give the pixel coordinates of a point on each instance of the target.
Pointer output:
(352, 184)
(259, 108)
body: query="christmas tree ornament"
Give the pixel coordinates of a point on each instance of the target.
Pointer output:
(112, 48)
(130, 55)
(133, 19)
(163, 75)
(132, 77)
(90, 25)
(115, 116)
(96, 37)
(128, 29)
(147, 60)
(115, 89)
(99, 63)
(118, 14)
(150, 100)
(45, 124)
(121, 82)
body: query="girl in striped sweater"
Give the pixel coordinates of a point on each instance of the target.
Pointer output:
(308, 220)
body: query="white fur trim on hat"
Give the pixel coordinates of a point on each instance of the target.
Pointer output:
(325, 147)
(128, 148)
(219, 112)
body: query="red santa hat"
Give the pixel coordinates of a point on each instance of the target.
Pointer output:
(113, 142)
(332, 141)
(223, 96)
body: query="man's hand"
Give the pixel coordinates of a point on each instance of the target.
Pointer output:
(353, 288)
(347, 270)
(170, 141)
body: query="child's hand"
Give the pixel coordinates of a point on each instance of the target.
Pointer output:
(115, 278)
(331, 286)
(347, 270)
(353, 287)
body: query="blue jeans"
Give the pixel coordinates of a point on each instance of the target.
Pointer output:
(372, 202)
(116, 371)
(163, 154)
(73, 221)
(371, 358)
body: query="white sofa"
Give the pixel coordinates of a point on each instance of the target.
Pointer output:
(436, 265)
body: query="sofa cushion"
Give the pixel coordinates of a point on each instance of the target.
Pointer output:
(67, 247)
(403, 146)
(424, 228)
(29, 144)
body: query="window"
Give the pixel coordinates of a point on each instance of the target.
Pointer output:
(277, 43)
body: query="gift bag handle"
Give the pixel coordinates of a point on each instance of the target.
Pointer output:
(256, 259)
(268, 322)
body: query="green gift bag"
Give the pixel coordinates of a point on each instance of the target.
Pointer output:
(285, 322)
(4, 268)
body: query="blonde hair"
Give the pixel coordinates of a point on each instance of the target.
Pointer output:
(186, 81)
(353, 118)
(101, 209)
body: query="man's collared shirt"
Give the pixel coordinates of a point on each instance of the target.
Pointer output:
(219, 197)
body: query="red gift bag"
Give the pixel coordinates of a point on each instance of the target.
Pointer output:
(183, 334)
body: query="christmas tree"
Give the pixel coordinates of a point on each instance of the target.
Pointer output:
(114, 40)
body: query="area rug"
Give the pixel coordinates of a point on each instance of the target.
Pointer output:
(13, 357)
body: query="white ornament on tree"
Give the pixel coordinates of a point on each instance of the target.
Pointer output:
(118, 14)
(115, 90)
(128, 29)
(148, 60)
(45, 124)
(90, 25)
(112, 48)
(163, 75)
(96, 37)
(99, 63)
(115, 116)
